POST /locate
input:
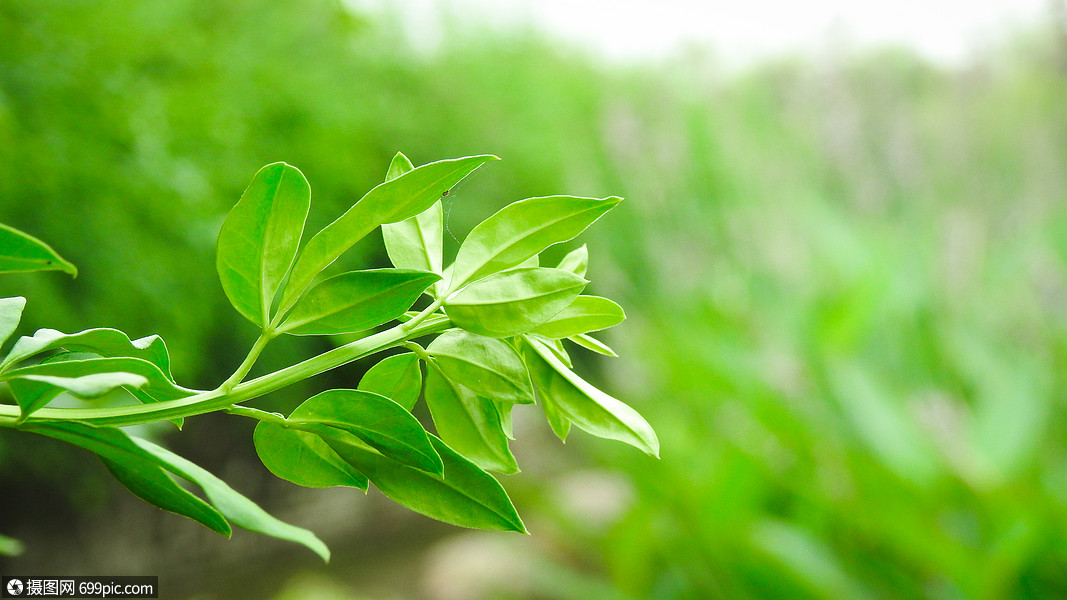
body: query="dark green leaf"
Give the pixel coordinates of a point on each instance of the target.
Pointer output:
(576, 261)
(584, 405)
(110, 343)
(465, 496)
(395, 200)
(10, 315)
(260, 237)
(383, 424)
(585, 314)
(397, 377)
(303, 458)
(21, 252)
(469, 424)
(357, 300)
(513, 302)
(521, 230)
(488, 366)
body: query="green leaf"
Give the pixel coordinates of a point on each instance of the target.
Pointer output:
(88, 378)
(504, 409)
(260, 237)
(397, 377)
(356, 300)
(395, 200)
(469, 424)
(10, 315)
(417, 243)
(383, 424)
(585, 314)
(139, 471)
(591, 343)
(556, 346)
(399, 165)
(576, 261)
(521, 230)
(232, 504)
(584, 405)
(110, 343)
(465, 496)
(488, 366)
(560, 425)
(9, 546)
(21, 252)
(513, 302)
(303, 458)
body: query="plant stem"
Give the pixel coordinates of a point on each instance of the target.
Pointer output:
(253, 354)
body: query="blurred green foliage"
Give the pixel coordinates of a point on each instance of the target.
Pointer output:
(845, 277)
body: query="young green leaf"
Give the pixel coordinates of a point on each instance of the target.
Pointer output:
(488, 366)
(140, 472)
(395, 200)
(576, 261)
(417, 243)
(469, 424)
(521, 230)
(303, 458)
(513, 302)
(398, 166)
(560, 425)
(356, 300)
(21, 252)
(504, 409)
(10, 315)
(381, 423)
(556, 346)
(110, 343)
(465, 496)
(585, 314)
(584, 405)
(232, 504)
(591, 343)
(397, 377)
(260, 237)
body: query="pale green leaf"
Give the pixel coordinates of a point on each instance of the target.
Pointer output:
(10, 315)
(585, 314)
(21, 252)
(576, 261)
(355, 301)
(397, 377)
(110, 343)
(398, 166)
(591, 343)
(303, 458)
(513, 302)
(417, 243)
(469, 424)
(521, 230)
(260, 237)
(488, 366)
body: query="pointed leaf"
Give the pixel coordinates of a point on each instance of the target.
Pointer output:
(383, 424)
(591, 343)
(488, 366)
(513, 302)
(584, 405)
(10, 315)
(469, 424)
(576, 261)
(395, 200)
(303, 458)
(356, 300)
(399, 165)
(260, 237)
(397, 377)
(585, 314)
(21, 252)
(465, 496)
(417, 243)
(110, 343)
(521, 230)
(93, 377)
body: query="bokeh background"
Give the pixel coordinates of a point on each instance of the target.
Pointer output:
(844, 272)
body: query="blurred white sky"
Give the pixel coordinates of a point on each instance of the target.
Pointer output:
(944, 30)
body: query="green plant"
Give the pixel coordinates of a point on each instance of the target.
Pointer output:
(499, 320)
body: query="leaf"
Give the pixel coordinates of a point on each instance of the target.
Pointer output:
(110, 343)
(381, 423)
(521, 230)
(465, 496)
(556, 346)
(260, 237)
(232, 504)
(395, 200)
(84, 383)
(9, 546)
(585, 314)
(488, 366)
(469, 424)
(10, 315)
(303, 458)
(585, 406)
(513, 302)
(504, 409)
(417, 243)
(397, 377)
(140, 472)
(398, 166)
(591, 343)
(560, 425)
(576, 261)
(356, 300)
(21, 252)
